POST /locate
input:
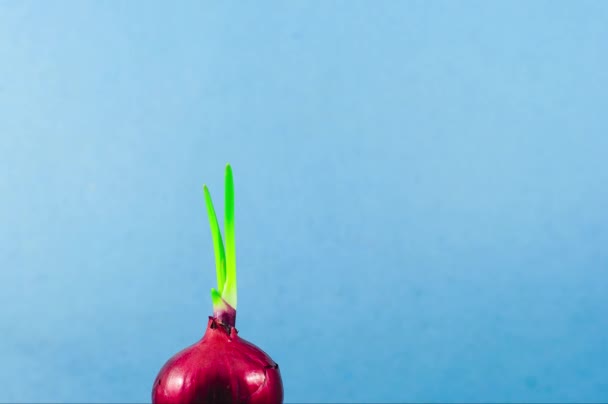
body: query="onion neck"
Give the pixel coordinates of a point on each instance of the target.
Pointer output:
(225, 314)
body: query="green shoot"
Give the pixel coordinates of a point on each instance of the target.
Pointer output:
(229, 292)
(225, 260)
(218, 245)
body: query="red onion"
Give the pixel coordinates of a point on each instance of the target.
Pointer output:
(222, 367)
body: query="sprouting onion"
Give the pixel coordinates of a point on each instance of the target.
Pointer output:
(221, 367)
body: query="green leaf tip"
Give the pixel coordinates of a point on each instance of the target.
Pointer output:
(216, 298)
(225, 258)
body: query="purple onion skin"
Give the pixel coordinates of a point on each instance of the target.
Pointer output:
(221, 368)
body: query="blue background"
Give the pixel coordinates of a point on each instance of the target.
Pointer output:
(421, 193)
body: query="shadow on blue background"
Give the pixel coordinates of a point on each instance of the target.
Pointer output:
(420, 186)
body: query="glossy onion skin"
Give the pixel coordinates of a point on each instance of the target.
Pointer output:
(221, 368)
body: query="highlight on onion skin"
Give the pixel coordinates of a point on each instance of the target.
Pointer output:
(222, 367)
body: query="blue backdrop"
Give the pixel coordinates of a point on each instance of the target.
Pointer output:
(421, 195)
